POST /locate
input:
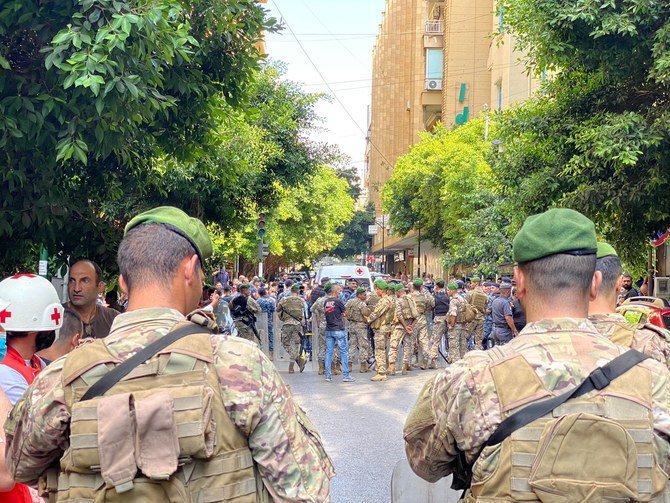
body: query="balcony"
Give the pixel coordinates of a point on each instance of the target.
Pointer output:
(435, 27)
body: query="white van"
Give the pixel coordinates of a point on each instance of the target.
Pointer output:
(341, 273)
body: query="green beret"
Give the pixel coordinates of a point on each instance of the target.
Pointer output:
(243, 286)
(381, 284)
(440, 283)
(360, 290)
(192, 229)
(398, 287)
(417, 282)
(328, 287)
(295, 287)
(475, 279)
(606, 250)
(559, 230)
(452, 286)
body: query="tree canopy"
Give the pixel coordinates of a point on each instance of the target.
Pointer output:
(598, 138)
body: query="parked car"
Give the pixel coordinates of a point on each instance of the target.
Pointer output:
(646, 310)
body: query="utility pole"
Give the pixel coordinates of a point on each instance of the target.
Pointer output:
(418, 271)
(262, 247)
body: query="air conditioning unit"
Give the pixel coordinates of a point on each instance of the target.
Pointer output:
(662, 287)
(433, 84)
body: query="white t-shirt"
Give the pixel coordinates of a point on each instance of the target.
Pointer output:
(12, 383)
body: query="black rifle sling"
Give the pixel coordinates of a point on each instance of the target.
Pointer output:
(104, 384)
(599, 379)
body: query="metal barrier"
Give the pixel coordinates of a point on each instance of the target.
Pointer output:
(280, 354)
(407, 487)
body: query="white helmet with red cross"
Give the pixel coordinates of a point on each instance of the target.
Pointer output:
(29, 303)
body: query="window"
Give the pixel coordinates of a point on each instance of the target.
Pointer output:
(434, 63)
(499, 89)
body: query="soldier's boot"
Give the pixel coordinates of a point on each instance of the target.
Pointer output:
(322, 368)
(406, 367)
(391, 369)
(290, 368)
(379, 377)
(364, 367)
(337, 369)
(424, 364)
(432, 364)
(301, 361)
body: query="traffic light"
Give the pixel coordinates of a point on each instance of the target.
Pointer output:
(263, 251)
(261, 225)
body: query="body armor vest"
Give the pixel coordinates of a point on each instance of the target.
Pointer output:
(599, 447)
(421, 303)
(479, 300)
(160, 434)
(292, 310)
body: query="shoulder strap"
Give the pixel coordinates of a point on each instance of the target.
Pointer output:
(599, 379)
(120, 371)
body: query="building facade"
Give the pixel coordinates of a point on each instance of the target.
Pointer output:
(434, 60)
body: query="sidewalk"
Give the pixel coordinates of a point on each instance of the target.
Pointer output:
(361, 426)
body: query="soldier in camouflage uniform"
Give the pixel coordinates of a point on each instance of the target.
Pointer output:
(457, 335)
(244, 309)
(441, 309)
(357, 316)
(219, 376)
(406, 314)
(478, 299)
(424, 304)
(318, 311)
(461, 408)
(649, 339)
(381, 319)
(291, 312)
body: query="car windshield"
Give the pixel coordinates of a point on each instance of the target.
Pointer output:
(343, 281)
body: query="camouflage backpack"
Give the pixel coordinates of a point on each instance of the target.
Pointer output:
(479, 300)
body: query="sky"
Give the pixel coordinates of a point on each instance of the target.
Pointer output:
(338, 36)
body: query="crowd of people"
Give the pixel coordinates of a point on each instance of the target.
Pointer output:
(163, 393)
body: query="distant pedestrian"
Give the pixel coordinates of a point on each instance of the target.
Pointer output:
(84, 284)
(504, 329)
(268, 305)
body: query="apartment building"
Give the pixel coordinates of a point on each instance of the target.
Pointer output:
(434, 60)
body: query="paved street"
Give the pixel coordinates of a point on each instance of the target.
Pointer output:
(361, 425)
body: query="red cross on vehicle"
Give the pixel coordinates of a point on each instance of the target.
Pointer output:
(17, 276)
(4, 314)
(55, 316)
(360, 271)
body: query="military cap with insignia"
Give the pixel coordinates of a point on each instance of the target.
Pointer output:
(556, 231)
(191, 229)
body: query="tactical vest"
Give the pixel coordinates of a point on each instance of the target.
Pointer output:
(292, 309)
(389, 313)
(479, 300)
(160, 434)
(421, 303)
(599, 447)
(409, 308)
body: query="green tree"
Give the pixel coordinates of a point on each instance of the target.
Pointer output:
(445, 187)
(355, 238)
(598, 139)
(94, 95)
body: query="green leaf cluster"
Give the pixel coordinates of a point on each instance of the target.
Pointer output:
(444, 186)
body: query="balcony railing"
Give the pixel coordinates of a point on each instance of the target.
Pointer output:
(435, 26)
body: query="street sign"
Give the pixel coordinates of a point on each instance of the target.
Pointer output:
(372, 230)
(382, 221)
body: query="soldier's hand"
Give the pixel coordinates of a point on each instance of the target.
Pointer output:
(409, 329)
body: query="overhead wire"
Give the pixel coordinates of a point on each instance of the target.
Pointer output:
(316, 68)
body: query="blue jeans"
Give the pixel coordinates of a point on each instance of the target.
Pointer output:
(339, 337)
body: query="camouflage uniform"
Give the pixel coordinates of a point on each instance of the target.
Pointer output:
(461, 407)
(254, 396)
(243, 330)
(318, 310)
(476, 327)
(648, 339)
(458, 335)
(405, 309)
(290, 310)
(424, 303)
(381, 320)
(357, 313)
